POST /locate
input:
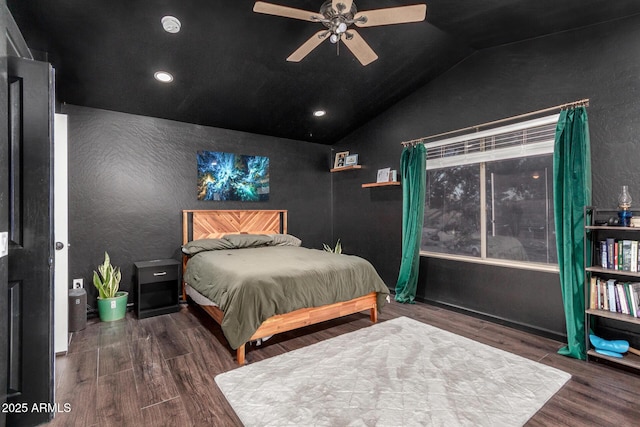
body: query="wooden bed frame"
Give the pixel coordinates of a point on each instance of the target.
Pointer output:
(214, 224)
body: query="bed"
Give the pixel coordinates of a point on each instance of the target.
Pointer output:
(255, 280)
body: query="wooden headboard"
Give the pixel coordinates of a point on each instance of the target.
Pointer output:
(213, 224)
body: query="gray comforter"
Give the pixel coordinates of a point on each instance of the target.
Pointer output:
(252, 284)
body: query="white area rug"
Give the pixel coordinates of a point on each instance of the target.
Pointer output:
(396, 373)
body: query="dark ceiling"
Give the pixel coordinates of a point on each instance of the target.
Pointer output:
(229, 62)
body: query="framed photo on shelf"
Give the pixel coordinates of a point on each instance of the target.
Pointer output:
(351, 160)
(340, 159)
(383, 175)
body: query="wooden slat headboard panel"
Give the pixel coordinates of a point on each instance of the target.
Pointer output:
(213, 224)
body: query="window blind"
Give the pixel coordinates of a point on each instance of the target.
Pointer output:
(523, 139)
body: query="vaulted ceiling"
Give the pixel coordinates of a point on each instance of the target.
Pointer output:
(229, 63)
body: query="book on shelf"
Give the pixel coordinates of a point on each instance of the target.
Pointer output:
(634, 290)
(604, 257)
(593, 293)
(603, 301)
(599, 294)
(622, 306)
(630, 303)
(615, 296)
(611, 294)
(625, 255)
(621, 255)
(610, 252)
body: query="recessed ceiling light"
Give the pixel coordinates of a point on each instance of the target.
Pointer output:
(163, 76)
(171, 24)
(319, 113)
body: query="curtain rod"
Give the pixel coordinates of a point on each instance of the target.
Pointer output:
(581, 103)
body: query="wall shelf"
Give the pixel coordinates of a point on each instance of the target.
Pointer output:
(345, 168)
(381, 184)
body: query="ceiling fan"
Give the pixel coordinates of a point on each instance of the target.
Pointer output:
(337, 16)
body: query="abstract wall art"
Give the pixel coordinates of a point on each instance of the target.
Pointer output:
(233, 177)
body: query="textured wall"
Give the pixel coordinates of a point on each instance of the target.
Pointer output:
(130, 177)
(599, 62)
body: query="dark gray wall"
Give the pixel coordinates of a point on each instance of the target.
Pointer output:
(368, 221)
(599, 62)
(130, 177)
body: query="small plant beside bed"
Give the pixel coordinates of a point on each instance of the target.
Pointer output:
(336, 250)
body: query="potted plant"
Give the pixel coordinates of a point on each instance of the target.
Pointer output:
(336, 250)
(112, 303)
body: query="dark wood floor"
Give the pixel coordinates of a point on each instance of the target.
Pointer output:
(160, 371)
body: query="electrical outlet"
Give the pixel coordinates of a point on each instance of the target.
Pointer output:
(78, 283)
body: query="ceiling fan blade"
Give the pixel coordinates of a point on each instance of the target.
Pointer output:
(391, 15)
(359, 47)
(287, 12)
(308, 46)
(345, 3)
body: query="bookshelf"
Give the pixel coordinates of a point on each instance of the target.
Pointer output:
(598, 274)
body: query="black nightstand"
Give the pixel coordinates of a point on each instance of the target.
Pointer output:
(157, 287)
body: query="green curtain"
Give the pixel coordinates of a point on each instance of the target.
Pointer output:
(413, 164)
(571, 193)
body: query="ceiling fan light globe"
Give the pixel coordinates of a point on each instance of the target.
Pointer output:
(342, 27)
(334, 38)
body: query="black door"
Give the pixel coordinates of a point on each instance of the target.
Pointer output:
(30, 269)
(4, 221)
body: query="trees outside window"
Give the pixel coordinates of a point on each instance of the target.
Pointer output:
(488, 198)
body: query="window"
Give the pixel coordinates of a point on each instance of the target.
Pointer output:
(489, 195)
